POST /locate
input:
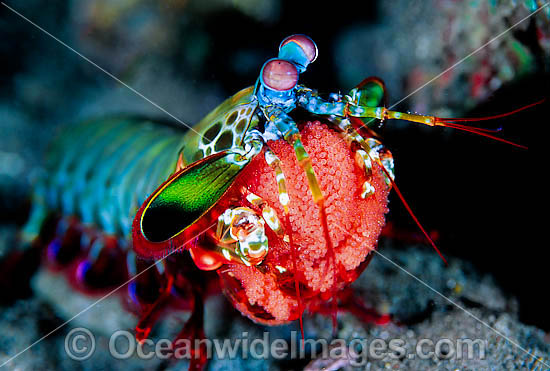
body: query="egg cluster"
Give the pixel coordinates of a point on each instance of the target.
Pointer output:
(354, 224)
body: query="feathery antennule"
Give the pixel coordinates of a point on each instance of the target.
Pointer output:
(482, 132)
(472, 119)
(453, 123)
(382, 113)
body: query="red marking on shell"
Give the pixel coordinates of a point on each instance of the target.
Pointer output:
(205, 259)
(280, 75)
(269, 296)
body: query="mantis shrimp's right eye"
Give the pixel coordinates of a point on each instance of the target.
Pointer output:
(307, 46)
(279, 75)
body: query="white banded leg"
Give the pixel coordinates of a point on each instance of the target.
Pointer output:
(383, 156)
(268, 213)
(371, 150)
(364, 162)
(275, 163)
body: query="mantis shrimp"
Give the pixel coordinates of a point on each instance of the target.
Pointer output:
(280, 191)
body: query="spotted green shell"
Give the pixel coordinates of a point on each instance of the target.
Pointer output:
(223, 128)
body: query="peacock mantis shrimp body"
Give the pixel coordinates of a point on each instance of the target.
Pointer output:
(279, 191)
(256, 244)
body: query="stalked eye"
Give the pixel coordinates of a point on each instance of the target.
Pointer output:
(299, 49)
(280, 75)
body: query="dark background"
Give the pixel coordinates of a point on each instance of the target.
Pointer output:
(476, 193)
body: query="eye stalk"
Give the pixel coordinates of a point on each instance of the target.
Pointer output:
(299, 49)
(279, 75)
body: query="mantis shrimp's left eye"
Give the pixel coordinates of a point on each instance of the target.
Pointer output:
(280, 75)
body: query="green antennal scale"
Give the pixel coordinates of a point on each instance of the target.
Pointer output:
(177, 204)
